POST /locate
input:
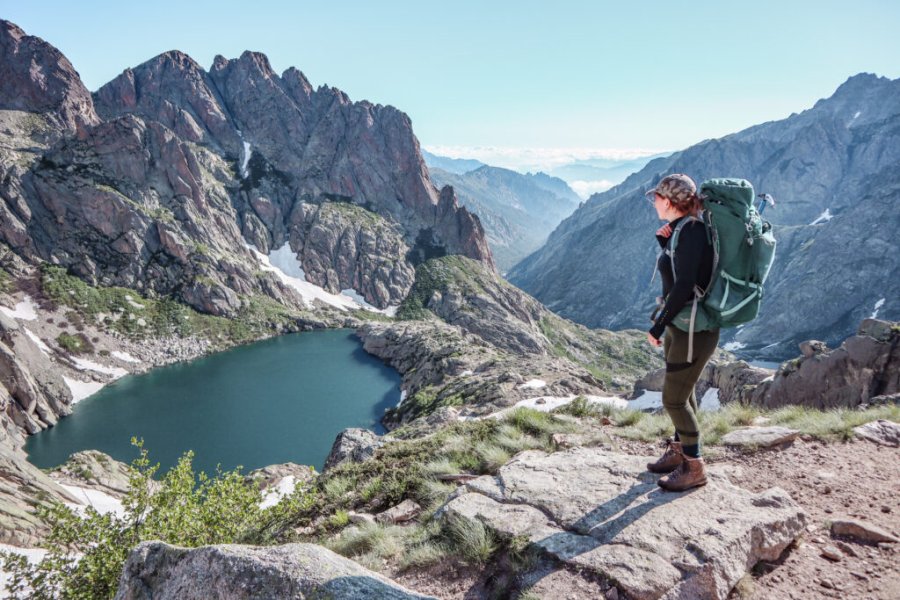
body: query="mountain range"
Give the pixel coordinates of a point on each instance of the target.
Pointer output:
(834, 171)
(517, 211)
(161, 179)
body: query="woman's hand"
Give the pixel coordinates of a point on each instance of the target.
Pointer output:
(653, 341)
(664, 231)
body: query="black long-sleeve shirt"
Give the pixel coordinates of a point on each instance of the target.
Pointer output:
(693, 264)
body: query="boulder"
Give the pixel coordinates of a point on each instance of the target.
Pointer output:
(812, 347)
(760, 437)
(603, 512)
(292, 571)
(863, 531)
(880, 431)
(353, 445)
(405, 511)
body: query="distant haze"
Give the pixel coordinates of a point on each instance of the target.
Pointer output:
(586, 170)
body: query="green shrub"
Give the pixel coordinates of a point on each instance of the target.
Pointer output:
(336, 487)
(75, 344)
(186, 509)
(339, 519)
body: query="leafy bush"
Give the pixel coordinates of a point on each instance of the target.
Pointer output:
(86, 554)
(76, 344)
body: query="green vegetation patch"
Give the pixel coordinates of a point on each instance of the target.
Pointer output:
(128, 312)
(86, 554)
(76, 344)
(439, 275)
(827, 425)
(5, 281)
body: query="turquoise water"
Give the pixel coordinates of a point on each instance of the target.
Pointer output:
(280, 400)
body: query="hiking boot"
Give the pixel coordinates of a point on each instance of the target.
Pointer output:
(670, 459)
(690, 473)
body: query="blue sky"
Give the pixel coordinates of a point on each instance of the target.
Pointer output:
(560, 77)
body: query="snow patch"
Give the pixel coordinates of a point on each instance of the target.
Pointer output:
(856, 115)
(402, 397)
(34, 556)
(103, 503)
(88, 365)
(770, 346)
(533, 384)
(286, 267)
(733, 346)
(823, 218)
(710, 400)
(548, 403)
(132, 302)
(467, 372)
(46, 350)
(124, 356)
(82, 389)
(24, 310)
(284, 488)
(878, 306)
(245, 160)
(650, 401)
(357, 297)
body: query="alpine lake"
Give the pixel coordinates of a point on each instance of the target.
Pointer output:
(284, 399)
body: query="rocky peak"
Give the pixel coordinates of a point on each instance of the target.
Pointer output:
(295, 81)
(173, 89)
(863, 98)
(36, 77)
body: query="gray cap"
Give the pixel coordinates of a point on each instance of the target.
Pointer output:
(677, 188)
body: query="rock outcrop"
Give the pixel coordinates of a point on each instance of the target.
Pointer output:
(865, 366)
(96, 470)
(604, 513)
(353, 445)
(881, 431)
(293, 571)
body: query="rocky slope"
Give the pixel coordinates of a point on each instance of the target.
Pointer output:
(518, 211)
(833, 170)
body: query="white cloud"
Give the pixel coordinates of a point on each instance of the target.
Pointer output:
(537, 159)
(586, 188)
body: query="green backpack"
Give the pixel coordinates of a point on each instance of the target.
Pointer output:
(743, 247)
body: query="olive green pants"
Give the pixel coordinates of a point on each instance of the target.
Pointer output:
(678, 397)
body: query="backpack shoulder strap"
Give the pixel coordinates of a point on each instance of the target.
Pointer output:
(673, 241)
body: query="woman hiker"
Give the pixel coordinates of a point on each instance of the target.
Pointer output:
(675, 199)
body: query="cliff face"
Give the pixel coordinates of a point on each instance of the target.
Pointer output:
(517, 211)
(160, 180)
(834, 172)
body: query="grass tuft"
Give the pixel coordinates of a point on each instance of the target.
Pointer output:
(470, 539)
